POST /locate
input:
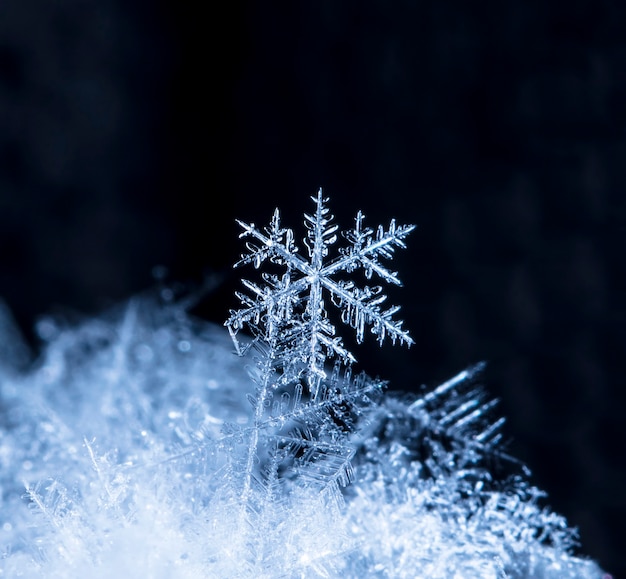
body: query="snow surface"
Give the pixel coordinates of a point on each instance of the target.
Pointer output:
(120, 451)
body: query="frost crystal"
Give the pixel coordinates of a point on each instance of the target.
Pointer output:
(289, 312)
(137, 445)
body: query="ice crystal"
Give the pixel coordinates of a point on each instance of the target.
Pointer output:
(289, 312)
(138, 445)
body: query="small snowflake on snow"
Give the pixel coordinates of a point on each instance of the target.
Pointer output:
(289, 311)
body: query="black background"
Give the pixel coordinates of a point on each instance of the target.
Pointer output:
(132, 134)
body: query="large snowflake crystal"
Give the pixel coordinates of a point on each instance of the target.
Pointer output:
(289, 312)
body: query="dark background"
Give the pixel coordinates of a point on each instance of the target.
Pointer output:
(132, 134)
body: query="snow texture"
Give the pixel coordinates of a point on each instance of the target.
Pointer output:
(139, 445)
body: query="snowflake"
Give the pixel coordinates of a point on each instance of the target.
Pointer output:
(289, 312)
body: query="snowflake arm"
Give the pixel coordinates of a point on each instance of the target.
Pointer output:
(277, 244)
